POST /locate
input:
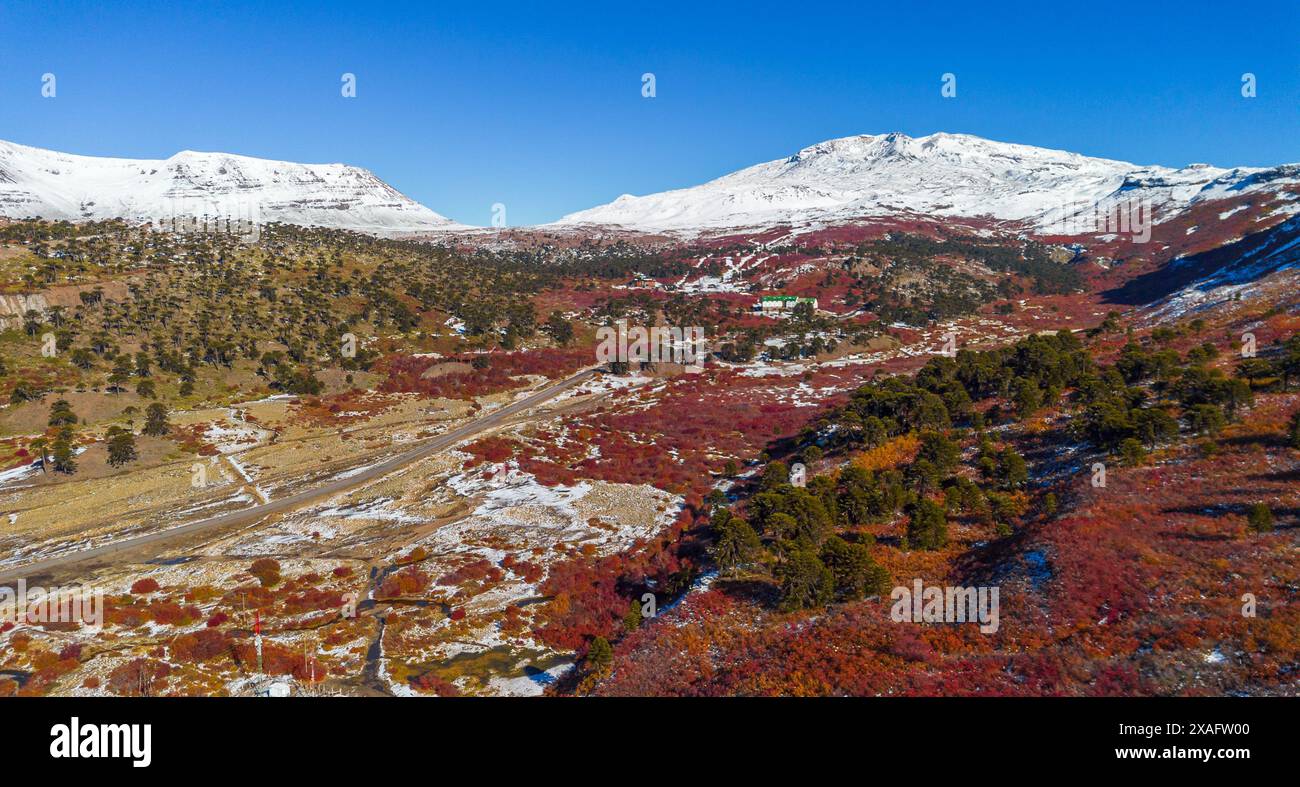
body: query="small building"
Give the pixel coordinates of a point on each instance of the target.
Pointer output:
(273, 688)
(768, 304)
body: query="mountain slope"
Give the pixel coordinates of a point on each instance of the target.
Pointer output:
(940, 174)
(42, 183)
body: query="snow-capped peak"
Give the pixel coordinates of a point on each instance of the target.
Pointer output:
(47, 184)
(940, 174)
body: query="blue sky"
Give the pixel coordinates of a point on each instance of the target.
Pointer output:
(462, 105)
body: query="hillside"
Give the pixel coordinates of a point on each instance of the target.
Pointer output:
(950, 395)
(948, 175)
(37, 183)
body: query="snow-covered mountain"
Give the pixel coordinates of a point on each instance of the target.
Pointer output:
(936, 175)
(47, 184)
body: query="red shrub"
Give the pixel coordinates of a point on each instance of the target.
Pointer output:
(205, 644)
(409, 581)
(146, 585)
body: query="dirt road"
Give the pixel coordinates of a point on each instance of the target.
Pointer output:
(138, 547)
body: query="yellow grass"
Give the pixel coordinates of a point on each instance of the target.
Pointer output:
(889, 455)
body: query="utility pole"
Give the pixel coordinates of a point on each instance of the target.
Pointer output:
(257, 637)
(309, 661)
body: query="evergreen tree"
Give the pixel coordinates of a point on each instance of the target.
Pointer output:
(1154, 425)
(927, 526)
(632, 620)
(62, 452)
(558, 329)
(1206, 419)
(599, 655)
(940, 451)
(1027, 397)
(121, 446)
(782, 525)
(805, 580)
(774, 475)
(23, 392)
(792, 512)
(1012, 471)
(61, 414)
(1260, 517)
(1289, 364)
(82, 358)
(1132, 452)
(122, 369)
(736, 544)
(860, 501)
(855, 574)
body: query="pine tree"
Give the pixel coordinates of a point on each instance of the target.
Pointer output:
(23, 392)
(122, 369)
(774, 475)
(805, 581)
(121, 446)
(558, 329)
(1206, 419)
(62, 453)
(736, 543)
(61, 414)
(632, 620)
(155, 420)
(927, 527)
(1028, 397)
(599, 655)
(1132, 452)
(1012, 471)
(1289, 364)
(855, 574)
(1260, 518)
(940, 451)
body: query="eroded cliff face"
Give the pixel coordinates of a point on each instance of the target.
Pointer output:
(14, 305)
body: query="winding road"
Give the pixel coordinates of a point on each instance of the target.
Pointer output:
(154, 542)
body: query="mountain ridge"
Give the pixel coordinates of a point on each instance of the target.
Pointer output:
(941, 174)
(844, 180)
(36, 182)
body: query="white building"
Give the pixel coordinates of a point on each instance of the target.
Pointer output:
(768, 304)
